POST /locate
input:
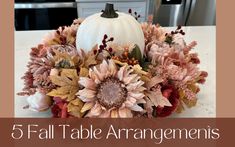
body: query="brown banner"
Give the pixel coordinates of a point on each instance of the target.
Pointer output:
(225, 55)
(7, 58)
(117, 132)
(225, 101)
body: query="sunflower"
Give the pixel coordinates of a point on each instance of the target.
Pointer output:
(110, 91)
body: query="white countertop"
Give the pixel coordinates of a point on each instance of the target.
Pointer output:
(206, 48)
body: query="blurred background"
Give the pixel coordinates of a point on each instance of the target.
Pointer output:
(50, 14)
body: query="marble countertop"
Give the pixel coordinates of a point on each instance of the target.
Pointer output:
(206, 48)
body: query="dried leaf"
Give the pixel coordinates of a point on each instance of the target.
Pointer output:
(90, 57)
(67, 82)
(193, 87)
(74, 107)
(59, 81)
(181, 94)
(77, 102)
(120, 63)
(83, 72)
(70, 73)
(144, 75)
(59, 55)
(153, 81)
(138, 69)
(158, 99)
(180, 107)
(145, 79)
(64, 60)
(87, 106)
(190, 103)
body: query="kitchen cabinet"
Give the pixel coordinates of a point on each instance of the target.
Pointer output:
(89, 7)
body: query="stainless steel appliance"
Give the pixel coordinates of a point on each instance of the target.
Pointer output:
(183, 12)
(44, 14)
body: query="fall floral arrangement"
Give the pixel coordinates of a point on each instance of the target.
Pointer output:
(152, 76)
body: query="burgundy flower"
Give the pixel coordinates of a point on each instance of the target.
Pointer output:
(172, 95)
(202, 77)
(194, 58)
(59, 109)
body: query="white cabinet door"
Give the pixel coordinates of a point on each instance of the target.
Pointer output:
(86, 9)
(139, 7)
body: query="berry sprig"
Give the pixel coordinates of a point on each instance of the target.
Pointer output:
(169, 36)
(135, 15)
(125, 58)
(103, 46)
(178, 31)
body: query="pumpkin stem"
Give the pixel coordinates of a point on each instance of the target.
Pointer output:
(109, 11)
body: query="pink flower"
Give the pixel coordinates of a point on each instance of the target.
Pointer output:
(152, 32)
(110, 92)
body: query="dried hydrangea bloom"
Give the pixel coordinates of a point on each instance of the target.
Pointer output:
(189, 73)
(42, 60)
(177, 53)
(174, 63)
(153, 32)
(111, 92)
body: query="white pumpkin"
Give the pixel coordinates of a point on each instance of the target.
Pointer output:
(124, 28)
